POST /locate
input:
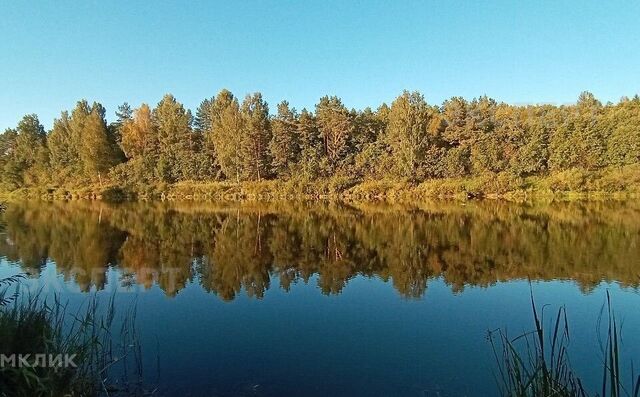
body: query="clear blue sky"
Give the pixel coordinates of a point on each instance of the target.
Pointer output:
(366, 52)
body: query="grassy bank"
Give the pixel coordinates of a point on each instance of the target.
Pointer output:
(615, 183)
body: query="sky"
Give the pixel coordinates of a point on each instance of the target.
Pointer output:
(54, 53)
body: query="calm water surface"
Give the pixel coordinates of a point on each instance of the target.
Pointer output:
(334, 300)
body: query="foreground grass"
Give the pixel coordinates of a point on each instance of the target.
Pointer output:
(622, 182)
(537, 364)
(31, 325)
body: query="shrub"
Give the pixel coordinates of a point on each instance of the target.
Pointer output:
(573, 180)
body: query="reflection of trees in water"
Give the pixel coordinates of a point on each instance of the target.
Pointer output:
(230, 248)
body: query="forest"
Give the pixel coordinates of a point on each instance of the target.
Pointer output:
(586, 146)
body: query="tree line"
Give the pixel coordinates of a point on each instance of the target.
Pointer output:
(229, 139)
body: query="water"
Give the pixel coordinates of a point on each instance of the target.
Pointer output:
(343, 300)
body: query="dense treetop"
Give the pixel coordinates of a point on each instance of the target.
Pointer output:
(242, 140)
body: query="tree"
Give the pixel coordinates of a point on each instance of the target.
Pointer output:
(562, 154)
(97, 149)
(124, 113)
(456, 160)
(369, 126)
(589, 141)
(455, 112)
(139, 144)
(81, 145)
(411, 132)
(10, 177)
(285, 143)
(621, 126)
(202, 121)
(62, 149)
(578, 140)
(30, 150)
(486, 144)
(310, 144)
(336, 127)
(176, 143)
(410, 139)
(139, 135)
(532, 142)
(227, 128)
(255, 138)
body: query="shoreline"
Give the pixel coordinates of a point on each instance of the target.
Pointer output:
(620, 184)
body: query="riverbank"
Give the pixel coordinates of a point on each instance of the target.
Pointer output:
(574, 184)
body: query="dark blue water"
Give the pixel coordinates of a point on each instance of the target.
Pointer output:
(347, 328)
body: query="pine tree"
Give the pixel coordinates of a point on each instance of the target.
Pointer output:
(123, 114)
(285, 143)
(310, 145)
(336, 127)
(202, 121)
(176, 144)
(255, 138)
(368, 128)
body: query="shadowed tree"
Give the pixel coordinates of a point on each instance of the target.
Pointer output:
(310, 145)
(336, 128)
(175, 140)
(285, 143)
(255, 138)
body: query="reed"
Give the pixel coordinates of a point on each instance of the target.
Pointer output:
(537, 364)
(31, 324)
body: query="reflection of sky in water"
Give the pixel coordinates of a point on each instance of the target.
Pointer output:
(367, 340)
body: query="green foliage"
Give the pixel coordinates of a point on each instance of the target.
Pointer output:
(11, 176)
(255, 139)
(23, 155)
(225, 137)
(285, 142)
(311, 164)
(567, 147)
(97, 149)
(336, 126)
(176, 141)
(412, 130)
